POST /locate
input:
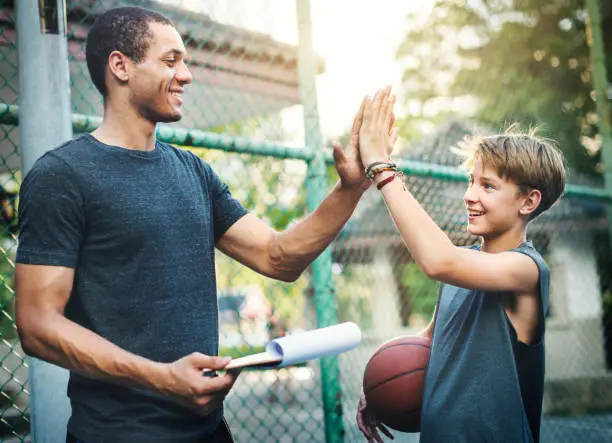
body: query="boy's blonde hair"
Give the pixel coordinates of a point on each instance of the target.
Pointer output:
(528, 161)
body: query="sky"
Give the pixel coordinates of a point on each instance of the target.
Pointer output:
(357, 39)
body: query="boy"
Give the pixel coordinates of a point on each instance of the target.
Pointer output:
(485, 377)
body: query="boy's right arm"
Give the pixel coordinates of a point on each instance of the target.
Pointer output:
(41, 296)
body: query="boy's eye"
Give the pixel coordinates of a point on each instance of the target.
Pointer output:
(489, 186)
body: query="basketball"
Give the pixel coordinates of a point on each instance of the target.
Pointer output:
(393, 382)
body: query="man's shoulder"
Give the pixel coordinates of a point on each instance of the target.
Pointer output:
(65, 154)
(71, 147)
(58, 157)
(181, 153)
(184, 156)
(61, 164)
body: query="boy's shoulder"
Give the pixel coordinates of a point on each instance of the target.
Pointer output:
(527, 248)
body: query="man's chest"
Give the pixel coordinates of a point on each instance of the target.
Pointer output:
(147, 211)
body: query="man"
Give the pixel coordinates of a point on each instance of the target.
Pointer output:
(115, 275)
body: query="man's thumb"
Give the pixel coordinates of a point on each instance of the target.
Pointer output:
(338, 152)
(202, 361)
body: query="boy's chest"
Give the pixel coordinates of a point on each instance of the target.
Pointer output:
(460, 308)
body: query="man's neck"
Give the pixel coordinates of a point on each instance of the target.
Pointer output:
(122, 127)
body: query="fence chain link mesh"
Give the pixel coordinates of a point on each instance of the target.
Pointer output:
(14, 387)
(246, 89)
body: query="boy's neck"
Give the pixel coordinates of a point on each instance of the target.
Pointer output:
(505, 241)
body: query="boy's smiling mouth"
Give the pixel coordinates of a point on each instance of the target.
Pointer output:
(474, 213)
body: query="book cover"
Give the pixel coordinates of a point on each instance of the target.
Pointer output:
(302, 347)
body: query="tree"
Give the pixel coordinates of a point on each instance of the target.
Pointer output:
(523, 61)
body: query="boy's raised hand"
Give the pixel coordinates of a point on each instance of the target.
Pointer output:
(348, 161)
(377, 135)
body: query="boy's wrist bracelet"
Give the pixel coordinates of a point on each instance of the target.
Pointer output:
(385, 181)
(376, 168)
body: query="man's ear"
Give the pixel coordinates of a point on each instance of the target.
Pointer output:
(532, 201)
(118, 65)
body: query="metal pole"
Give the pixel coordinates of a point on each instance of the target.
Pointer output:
(600, 84)
(316, 189)
(44, 123)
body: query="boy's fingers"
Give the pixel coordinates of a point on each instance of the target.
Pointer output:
(384, 108)
(392, 140)
(389, 105)
(357, 121)
(393, 118)
(376, 436)
(377, 103)
(367, 110)
(385, 431)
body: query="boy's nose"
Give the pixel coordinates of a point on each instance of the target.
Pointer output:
(469, 196)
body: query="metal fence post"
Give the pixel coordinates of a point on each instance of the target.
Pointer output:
(600, 84)
(316, 189)
(44, 123)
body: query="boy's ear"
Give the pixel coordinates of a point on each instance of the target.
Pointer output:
(119, 66)
(532, 201)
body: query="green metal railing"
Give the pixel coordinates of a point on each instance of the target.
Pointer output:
(9, 115)
(366, 276)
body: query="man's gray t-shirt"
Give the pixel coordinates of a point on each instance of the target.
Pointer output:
(482, 384)
(139, 228)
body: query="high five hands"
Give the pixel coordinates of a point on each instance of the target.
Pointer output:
(377, 136)
(372, 138)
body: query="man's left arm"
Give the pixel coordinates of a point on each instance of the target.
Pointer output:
(285, 255)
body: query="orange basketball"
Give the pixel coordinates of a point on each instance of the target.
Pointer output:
(394, 379)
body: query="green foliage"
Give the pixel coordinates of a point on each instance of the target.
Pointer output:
(288, 299)
(353, 298)
(523, 61)
(7, 302)
(240, 351)
(423, 291)
(274, 191)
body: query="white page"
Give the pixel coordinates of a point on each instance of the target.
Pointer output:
(308, 345)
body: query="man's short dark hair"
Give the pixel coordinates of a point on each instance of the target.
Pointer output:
(124, 29)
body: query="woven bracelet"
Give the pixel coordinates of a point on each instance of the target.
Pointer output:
(389, 179)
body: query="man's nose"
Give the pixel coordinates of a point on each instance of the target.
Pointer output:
(184, 75)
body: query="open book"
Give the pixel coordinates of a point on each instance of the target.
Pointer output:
(303, 346)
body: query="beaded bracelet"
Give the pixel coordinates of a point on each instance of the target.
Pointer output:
(377, 167)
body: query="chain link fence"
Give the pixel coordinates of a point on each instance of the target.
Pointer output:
(14, 387)
(246, 98)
